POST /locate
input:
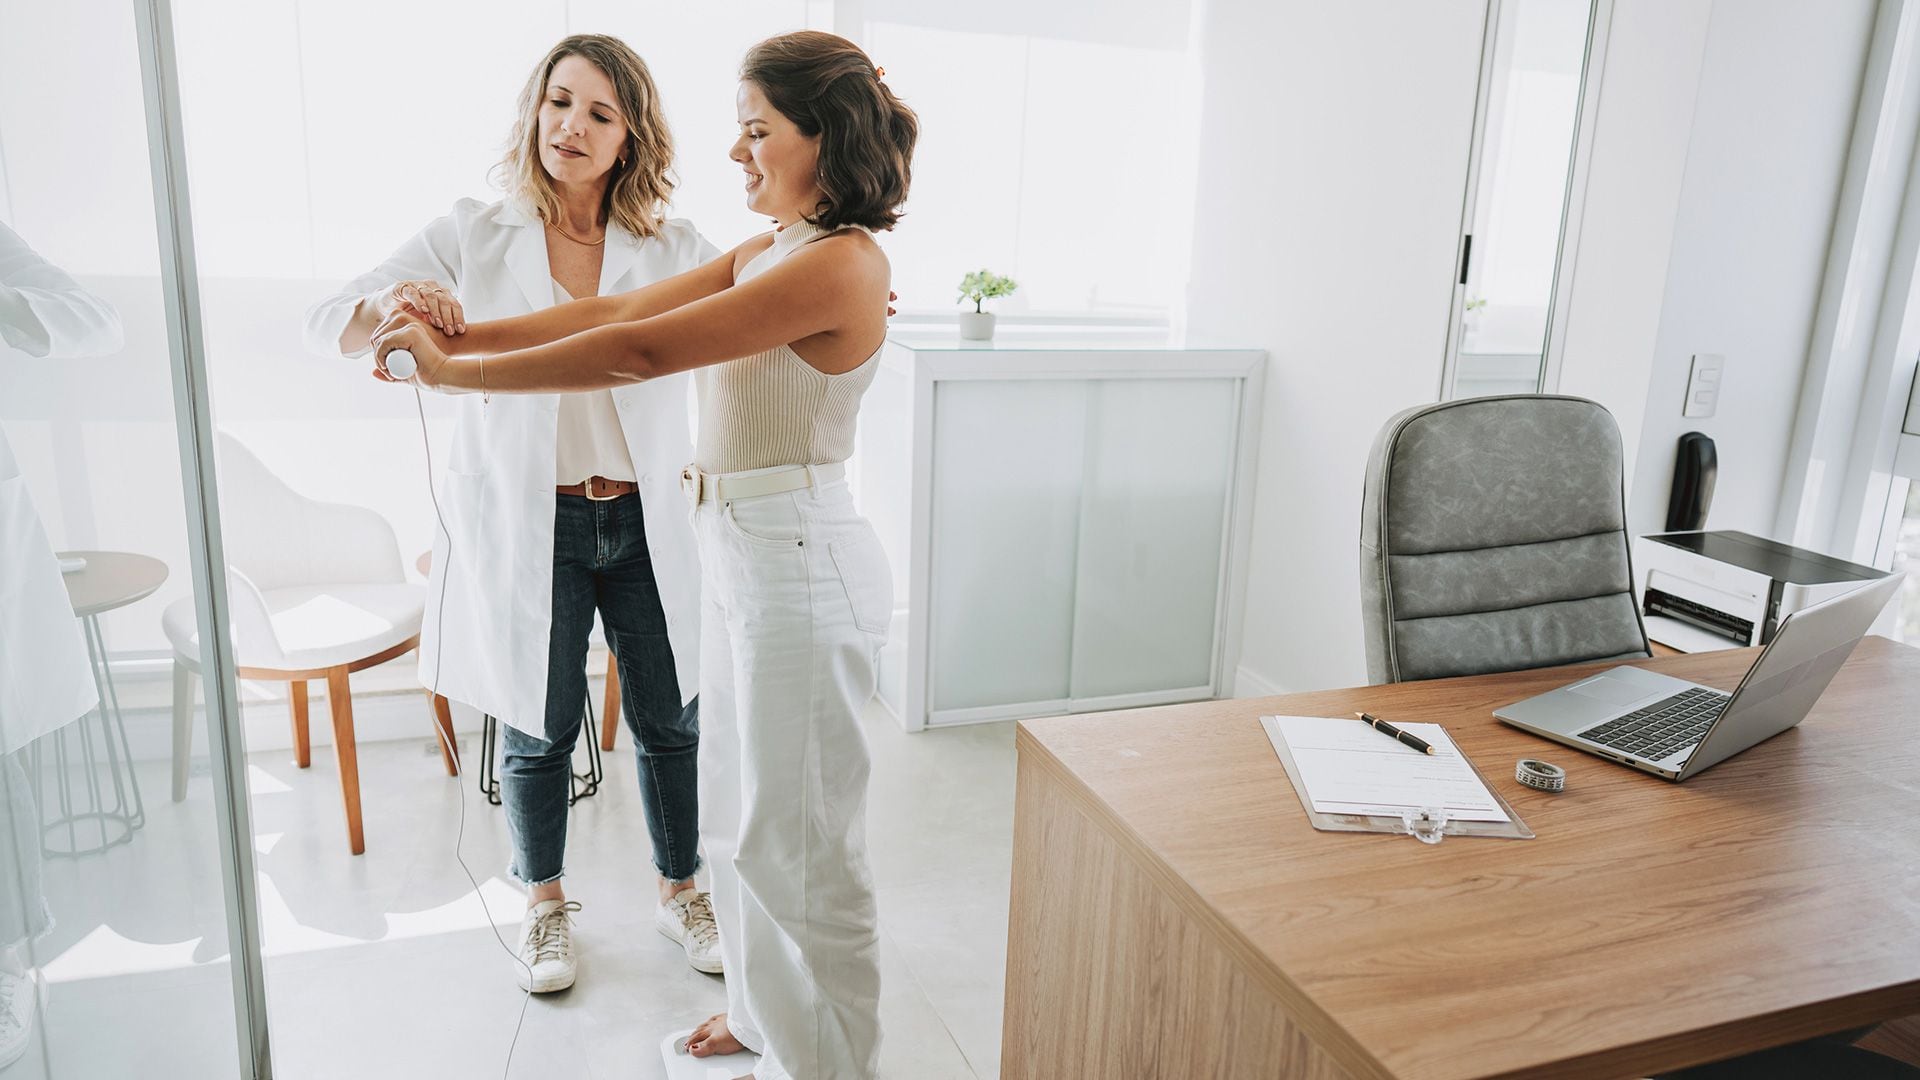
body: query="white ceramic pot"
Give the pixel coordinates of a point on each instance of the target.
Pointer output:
(976, 326)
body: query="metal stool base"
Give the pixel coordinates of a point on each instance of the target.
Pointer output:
(585, 784)
(87, 808)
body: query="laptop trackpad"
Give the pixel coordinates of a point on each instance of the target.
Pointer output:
(1611, 690)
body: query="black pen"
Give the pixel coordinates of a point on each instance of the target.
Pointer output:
(1385, 728)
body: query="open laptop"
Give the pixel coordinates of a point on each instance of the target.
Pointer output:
(1678, 729)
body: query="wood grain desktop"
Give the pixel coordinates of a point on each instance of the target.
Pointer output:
(1174, 914)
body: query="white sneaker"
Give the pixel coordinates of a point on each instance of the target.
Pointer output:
(688, 919)
(546, 959)
(20, 996)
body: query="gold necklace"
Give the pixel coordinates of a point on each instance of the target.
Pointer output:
(555, 226)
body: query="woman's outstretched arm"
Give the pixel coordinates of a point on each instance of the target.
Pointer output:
(563, 320)
(834, 286)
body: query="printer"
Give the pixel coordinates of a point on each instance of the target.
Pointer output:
(1701, 591)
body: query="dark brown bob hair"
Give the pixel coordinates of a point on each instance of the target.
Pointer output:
(828, 87)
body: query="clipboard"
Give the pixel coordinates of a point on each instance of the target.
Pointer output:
(1429, 830)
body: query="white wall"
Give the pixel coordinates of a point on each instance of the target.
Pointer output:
(1771, 125)
(1332, 161)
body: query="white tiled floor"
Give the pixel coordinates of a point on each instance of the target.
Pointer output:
(382, 965)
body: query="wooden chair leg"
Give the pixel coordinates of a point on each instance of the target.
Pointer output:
(610, 718)
(182, 727)
(302, 745)
(443, 719)
(341, 699)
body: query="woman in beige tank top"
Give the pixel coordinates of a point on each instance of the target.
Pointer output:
(796, 593)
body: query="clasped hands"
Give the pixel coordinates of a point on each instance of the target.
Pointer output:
(419, 317)
(405, 329)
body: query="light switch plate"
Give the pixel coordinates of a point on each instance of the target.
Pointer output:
(1703, 385)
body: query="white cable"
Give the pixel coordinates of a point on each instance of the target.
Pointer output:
(453, 754)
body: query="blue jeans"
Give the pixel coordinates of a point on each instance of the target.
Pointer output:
(600, 562)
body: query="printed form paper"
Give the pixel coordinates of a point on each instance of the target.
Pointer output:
(1349, 768)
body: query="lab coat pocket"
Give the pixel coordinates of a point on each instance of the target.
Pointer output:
(862, 565)
(462, 498)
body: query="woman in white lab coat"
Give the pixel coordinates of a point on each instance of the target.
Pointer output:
(45, 678)
(786, 332)
(558, 505)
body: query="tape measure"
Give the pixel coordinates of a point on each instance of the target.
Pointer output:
(1540, 774)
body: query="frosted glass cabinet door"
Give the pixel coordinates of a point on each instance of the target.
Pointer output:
(1159, 462)
(1008, 458)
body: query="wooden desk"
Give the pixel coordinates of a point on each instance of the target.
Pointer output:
(1174, 915)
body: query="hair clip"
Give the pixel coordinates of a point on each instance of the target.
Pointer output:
(879, 72)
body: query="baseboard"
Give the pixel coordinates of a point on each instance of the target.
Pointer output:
(1248, 683)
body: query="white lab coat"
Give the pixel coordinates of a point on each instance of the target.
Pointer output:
(496, 483)
(45, 678)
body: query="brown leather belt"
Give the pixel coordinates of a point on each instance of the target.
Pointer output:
(598, 488)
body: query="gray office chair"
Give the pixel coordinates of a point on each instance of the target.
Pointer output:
(1493, 537)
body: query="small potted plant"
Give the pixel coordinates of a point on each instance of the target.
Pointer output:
(980, 286)
(1471, 316)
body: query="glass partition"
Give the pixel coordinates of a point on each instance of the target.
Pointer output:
(116, 889)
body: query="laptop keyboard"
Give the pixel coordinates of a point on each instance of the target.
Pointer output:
(1662, 727)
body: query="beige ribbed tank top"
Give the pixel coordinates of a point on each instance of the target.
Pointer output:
(774, 408)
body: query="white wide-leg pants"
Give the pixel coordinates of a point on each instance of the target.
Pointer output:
(796, 598)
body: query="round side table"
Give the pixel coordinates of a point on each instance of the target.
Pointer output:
(105, 801)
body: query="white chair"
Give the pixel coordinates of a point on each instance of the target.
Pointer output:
(315, 591)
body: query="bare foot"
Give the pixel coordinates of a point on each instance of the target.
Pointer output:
(712, 1038)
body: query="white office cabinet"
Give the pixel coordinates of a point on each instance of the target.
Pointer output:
(1066, 523)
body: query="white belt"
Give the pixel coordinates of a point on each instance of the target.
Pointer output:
(724, 487)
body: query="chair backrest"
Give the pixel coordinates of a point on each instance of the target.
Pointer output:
(278, 537)
(1493, 537)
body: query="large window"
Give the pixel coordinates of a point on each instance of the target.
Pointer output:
(1057, 149)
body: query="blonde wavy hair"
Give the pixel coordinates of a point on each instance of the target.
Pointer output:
(639, 190)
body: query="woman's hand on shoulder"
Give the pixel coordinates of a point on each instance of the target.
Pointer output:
(433, 302)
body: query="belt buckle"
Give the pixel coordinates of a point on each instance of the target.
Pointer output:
(691, 481)
(587, 490)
